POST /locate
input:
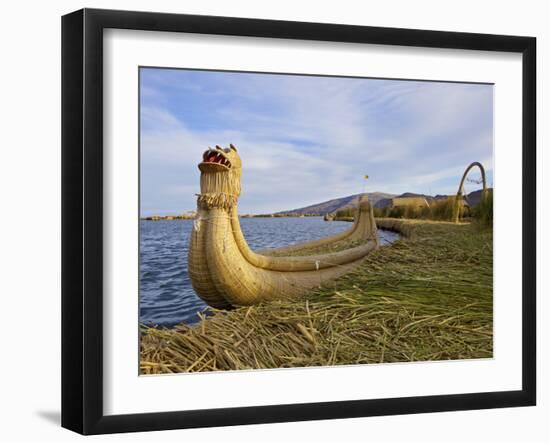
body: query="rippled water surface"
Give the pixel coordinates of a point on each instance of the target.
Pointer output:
(166, 294)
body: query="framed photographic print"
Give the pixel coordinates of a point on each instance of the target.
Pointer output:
(269, 221)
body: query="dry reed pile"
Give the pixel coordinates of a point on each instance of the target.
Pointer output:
(427, 297)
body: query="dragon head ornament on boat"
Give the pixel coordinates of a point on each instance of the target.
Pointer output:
(221, 171)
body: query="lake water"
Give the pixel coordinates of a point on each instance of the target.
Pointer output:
(166, 294)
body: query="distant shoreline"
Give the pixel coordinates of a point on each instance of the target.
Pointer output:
(192, 216)
(329, 208)
(169, 217)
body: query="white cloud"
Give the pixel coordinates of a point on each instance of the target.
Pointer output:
(314, 139)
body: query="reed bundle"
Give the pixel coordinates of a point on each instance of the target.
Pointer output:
(225, 272)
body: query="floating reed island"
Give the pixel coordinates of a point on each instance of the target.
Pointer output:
(426, 297)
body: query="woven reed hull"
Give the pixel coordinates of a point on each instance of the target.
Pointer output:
(362, 227)
(325, 241)
(199, 271)
(226, 272)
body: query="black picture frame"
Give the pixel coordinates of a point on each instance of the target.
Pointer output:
(82, 220)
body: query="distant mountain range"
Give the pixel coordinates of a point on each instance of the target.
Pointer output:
(378, 199)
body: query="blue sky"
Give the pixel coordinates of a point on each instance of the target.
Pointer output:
(306, 139)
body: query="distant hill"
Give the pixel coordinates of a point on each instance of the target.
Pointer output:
(330, 206)
(377, 199)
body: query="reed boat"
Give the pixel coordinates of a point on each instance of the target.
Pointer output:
(225, 272)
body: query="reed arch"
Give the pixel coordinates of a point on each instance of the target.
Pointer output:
(460, 193)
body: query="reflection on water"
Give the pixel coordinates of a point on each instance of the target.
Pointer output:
(166, 294)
